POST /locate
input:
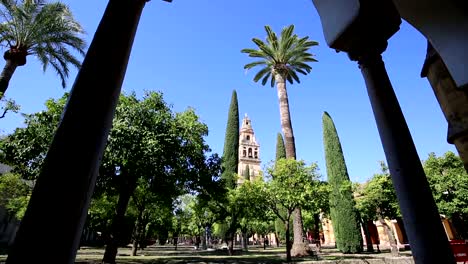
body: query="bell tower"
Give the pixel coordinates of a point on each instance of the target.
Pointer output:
(249, 152)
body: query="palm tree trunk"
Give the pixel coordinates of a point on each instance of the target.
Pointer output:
(5, 76)
(298, 247)
(285, 117)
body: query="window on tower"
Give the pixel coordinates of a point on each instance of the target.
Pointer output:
(256, 154)
(244, 153)
(250, 152)
(248, 138)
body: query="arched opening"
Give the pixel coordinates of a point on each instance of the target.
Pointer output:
(250, 152)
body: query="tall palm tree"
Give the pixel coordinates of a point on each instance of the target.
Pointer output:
(281, 59)
(45, 30)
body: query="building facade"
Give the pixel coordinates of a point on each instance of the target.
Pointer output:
(249, 152)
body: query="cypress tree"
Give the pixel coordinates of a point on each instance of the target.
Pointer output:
(280, 150)
(280, 229)
(342, 205)
(231, 144)
(247, 173)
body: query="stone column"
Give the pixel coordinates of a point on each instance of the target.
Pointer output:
(53, 223)
(453, 101)
(428, 241)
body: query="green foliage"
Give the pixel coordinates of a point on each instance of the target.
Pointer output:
(231, 144)
(286, 55)
(449, 184)
(160, 222)
(280, 154)
(154, 155)
(377, 198)
(344, 215)
(247, 173)
(280, 150)
(100, 213)
(14, 194)
(8, 105)
(239, 208)
(25, 149)
(255, 217)
(46, 30)
(291, 187)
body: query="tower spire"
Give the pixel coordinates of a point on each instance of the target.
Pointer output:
(249, 151)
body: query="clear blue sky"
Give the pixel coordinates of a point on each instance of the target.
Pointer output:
(190, 50)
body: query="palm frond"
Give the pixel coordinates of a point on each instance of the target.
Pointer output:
(309, 59)
(293, 74)
(272, 38)
(254, 53)
(272, 81)
(265, 48)
(59, 72)
(289, 78)
(287, 55)
(253, 64)
(265, 78)
(261, 73)
(286, 33)
(46, 30)
(299, 70)
(302, 65)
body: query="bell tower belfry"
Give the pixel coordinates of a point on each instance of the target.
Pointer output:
(249, 152)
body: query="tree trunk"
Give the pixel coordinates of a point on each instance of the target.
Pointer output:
(365, 227)
(285, 117)
(244, 241)
(231, 244)
(277, 239)
(204, 247)
(126, 191)
(5, 76)
(460, 226)
(318, 243)
(288, 242)
(134, 247)
(299, 248)
(391, 237)
(176, 241)
(137, 231)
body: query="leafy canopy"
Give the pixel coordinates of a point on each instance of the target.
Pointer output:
(285, 55)
(291, 185)
(25, 149)
(377, 198)
(14, 194)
